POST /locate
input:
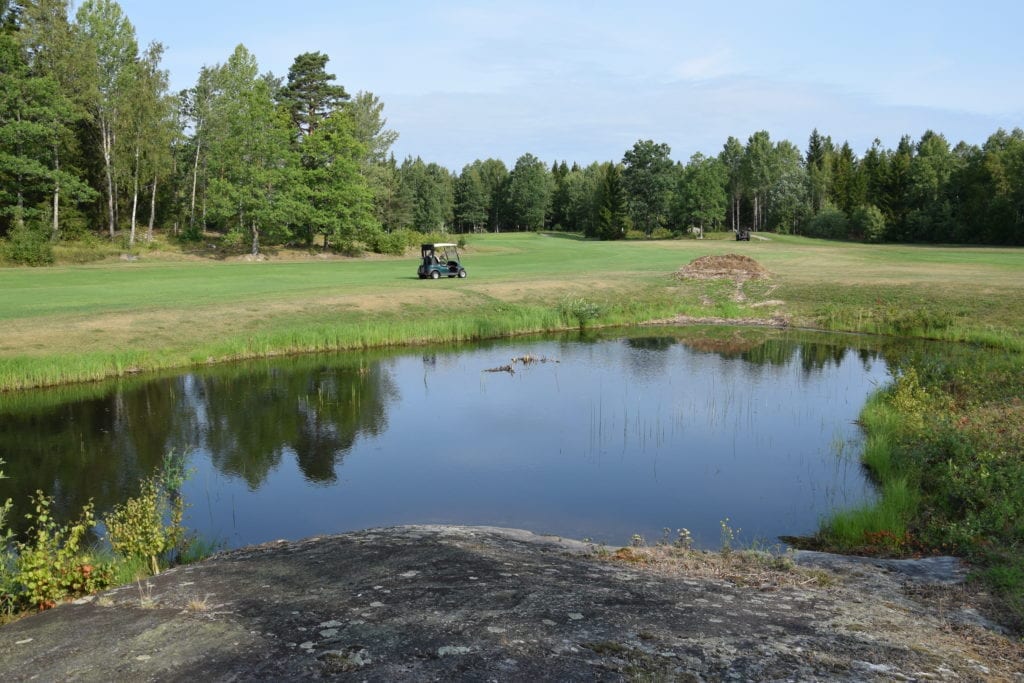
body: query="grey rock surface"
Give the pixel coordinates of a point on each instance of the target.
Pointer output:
(477, 603)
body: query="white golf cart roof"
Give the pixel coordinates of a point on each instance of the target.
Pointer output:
(444, 244)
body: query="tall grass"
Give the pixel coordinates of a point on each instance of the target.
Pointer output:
(412, 326)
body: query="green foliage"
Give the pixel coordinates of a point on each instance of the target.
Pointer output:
(613, 220)
(530, 187)
(53, 563)
(831, 223)
(581, 310)
(136, 527)
(335, 199)
(700, 198)
(7, 568)
(310, 95)
(648, 177)
(149, 525)
(868, 223)
(393, 243)
(428, 190)
(946, 445)
(86, 249)
(29, 247)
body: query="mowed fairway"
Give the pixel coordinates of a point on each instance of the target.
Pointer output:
(84, 322)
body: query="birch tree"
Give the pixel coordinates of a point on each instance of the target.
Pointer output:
(144, 138)
(110, 41)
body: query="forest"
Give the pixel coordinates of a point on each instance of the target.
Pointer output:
(94, 145)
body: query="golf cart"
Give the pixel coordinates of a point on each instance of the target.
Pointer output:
(742, 235)
(440, 260)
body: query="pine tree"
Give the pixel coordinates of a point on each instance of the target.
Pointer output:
(310, 94)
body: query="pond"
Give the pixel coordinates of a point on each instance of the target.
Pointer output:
(600, 437)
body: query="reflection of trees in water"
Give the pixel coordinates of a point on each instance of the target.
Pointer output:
(247, 417)
(651, 343)
(648, 357)
(814, 356)
(251, 420)
(80, 451)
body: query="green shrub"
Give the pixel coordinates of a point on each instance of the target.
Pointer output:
(393, 243)
(662, 234)
(53, 563)
(149, 525)
(868, 223)
(29, 247)
(86, 249)
(234, 241)
(7, 570)
(581, 310)
(829, 223)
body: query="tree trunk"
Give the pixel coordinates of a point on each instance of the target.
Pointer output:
(255, 239)
(56, 195)
(152, 212)
(135, 198)
(107, 143)
(195, 180)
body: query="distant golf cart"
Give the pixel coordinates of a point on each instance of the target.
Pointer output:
(743, 235)
(440, 260)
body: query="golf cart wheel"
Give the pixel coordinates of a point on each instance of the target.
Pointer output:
(434, 275)
(462, 272)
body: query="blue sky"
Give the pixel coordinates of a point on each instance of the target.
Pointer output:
(582, 81)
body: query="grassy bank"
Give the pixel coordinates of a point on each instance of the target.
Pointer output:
(81, 323)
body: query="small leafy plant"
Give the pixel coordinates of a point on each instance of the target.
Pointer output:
(150, 525)
(53, 562)
(582, 310)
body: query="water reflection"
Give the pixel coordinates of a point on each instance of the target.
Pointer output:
(620, 436)
(245, 418)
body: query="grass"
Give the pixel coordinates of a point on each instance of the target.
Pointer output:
(85, 322)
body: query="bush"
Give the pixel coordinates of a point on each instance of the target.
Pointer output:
(53, 563)
(393, 243)
(86, 249)
(581, 310)
(29, 247)
(137, 529)
(234, 241)
(662, 234)
(868, 223)
(7, 586)
(830, 223)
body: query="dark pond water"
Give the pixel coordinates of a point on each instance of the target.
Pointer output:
(620, 436)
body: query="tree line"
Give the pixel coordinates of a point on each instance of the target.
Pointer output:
(92, 141)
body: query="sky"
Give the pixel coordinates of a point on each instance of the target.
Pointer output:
(582, 81)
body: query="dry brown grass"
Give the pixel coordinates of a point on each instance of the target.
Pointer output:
(743, 567)
(731, 266)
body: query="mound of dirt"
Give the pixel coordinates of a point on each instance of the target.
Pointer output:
(732, 266)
